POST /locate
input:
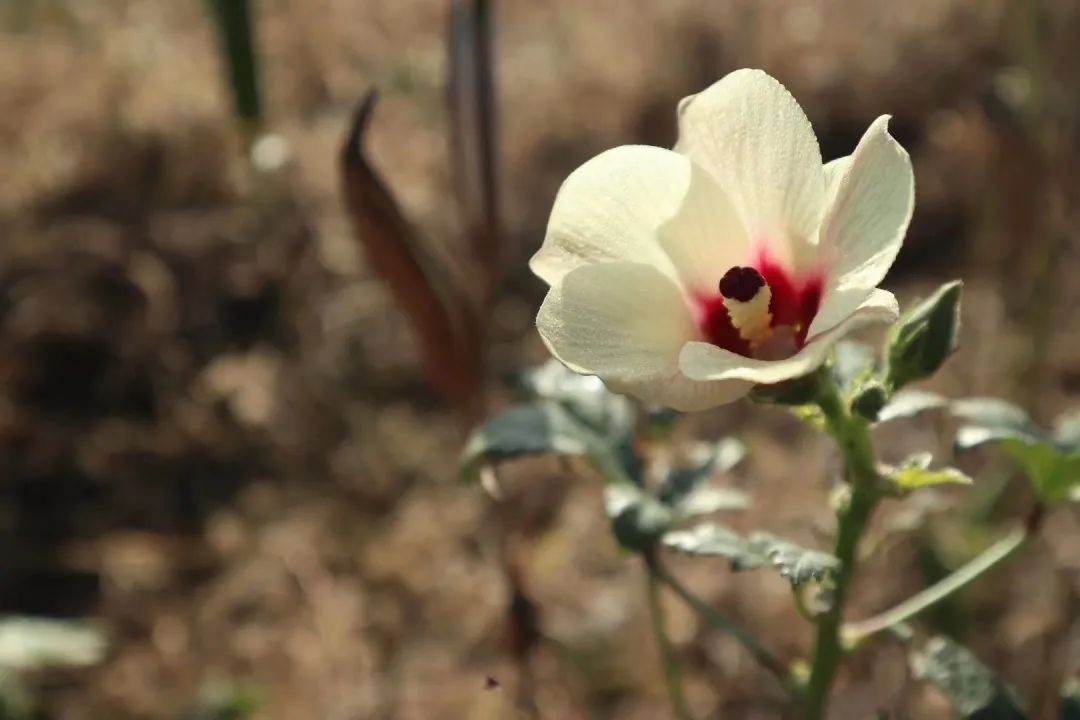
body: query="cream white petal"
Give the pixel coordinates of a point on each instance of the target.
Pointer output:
(679, 392)
(752, 136)
(837, 304)
(705, 238)
(834, 172)
(612, 208)
(626, 323)
(702, 361)
(864, 225)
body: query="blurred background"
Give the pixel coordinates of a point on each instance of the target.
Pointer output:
(240, 349)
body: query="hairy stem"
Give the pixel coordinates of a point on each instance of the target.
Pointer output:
(853, 437)
(672, 674)
(721, 622)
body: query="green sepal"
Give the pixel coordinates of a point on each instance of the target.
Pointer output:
(797, 391)
(924, 337)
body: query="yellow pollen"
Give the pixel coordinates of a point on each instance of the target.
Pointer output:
(752, 318)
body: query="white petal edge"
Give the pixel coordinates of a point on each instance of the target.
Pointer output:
(865, 224)
(611, 209)
(702, 361)
(626, 323)
(752, 136)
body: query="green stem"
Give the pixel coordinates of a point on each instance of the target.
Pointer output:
(236, 25)
(672, 674)
(721, 622)
(985, 561)
(853, 437)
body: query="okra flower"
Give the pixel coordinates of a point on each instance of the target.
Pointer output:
(687, 276)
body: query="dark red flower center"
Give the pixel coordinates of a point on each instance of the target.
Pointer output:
(741, 283)
(794, 303)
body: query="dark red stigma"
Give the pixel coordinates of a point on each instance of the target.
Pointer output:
(741, 283)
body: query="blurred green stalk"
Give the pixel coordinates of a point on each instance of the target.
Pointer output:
(236, 27)
(672, 673)
(854, 633)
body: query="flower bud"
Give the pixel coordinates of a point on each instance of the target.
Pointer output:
(869, 399)
(925, 337)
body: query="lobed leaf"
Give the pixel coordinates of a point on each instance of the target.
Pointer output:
(686, 491)
(713, 540)
(543, 428)
(638, 520)
(974, 692)
(796, 564)
(706, 499)
(995, 414)
(1050, 462)
(584, 396)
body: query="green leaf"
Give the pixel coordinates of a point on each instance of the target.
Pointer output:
(222, 700)
(638, 520)
(706, 499)
(610, 416)
(760, 549)
(796, 563)
(661, 422)
(686, 490)
(915, 473)
(16, 701)
(236, 26)
(1052, 466)
(996, 414)
(909, 403)
(29, 644)
(713, 540)
(973, 690)
(1067, 430)
(925, 337)
(584, 396)
(1055, 476)
(811, 415)
(537, 429)
(1070, 700)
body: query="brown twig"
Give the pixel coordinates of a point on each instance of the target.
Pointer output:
(440, 314)
(474, 139)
